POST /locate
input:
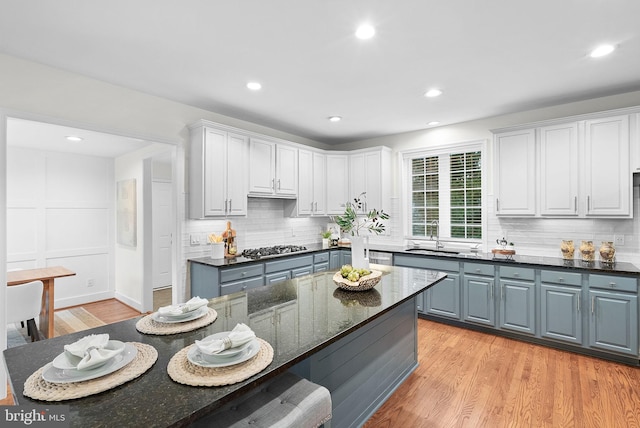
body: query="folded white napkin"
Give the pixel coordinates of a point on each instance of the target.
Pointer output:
(191, 305)
(92, 351)
(240, 335)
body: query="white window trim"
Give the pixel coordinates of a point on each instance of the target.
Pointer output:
(404, 160)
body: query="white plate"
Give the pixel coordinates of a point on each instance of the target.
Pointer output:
(250, 351)
(68, 361)
(183, 314)
(54, 375)
(227, 353)
(194, 315)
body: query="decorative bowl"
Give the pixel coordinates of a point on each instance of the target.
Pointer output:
(364, 283)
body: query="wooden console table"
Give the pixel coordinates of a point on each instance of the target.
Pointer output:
(47, 275)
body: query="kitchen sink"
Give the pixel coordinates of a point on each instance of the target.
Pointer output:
(431, 251)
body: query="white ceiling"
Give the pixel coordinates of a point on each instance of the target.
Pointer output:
(489, 57)
(50, 137)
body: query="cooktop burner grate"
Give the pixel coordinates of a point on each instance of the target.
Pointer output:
(256, 253)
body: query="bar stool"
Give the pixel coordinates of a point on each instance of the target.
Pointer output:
(286, 401)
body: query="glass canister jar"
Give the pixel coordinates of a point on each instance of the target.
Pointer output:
(607, 252)
(587, 250)
(567, 249)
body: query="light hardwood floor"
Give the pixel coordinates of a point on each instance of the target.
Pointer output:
(471, 379)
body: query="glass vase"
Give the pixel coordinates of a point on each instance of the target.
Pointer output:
(587, 250)
(607, 252)
(568, 250)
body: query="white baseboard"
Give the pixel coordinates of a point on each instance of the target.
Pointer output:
(129, 302)
(81, 300)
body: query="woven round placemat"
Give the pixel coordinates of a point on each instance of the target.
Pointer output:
(181, 370)
(148, 325)
(39, 389)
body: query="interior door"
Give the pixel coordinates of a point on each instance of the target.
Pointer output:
(162, 223)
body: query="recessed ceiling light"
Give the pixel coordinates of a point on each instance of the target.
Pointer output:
(365, 31)
(433, 93)
(73, 138)
(602, 50)
(254, 86)
(335, 118)
(435, 122)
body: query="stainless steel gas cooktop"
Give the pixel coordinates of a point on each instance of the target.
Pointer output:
(256, 253)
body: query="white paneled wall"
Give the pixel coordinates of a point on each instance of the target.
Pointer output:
(59, 211)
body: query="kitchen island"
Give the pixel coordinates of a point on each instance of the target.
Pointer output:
(360, 345)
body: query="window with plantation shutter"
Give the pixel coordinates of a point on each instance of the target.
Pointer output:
(445, 187)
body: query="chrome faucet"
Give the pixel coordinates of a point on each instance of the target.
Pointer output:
(437, 225)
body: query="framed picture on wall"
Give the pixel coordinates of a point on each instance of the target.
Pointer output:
(126, 213)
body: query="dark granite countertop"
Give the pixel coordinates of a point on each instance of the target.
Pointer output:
(618, 268)
(154, 400)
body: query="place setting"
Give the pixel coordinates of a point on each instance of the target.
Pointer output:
(89, 366)
(222, 358)
(179, 318)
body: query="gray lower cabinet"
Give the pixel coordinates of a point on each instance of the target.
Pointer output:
(560, 313)
(613, 322)
(479, 306)
(443, 299)
(334, 259)
(517, 311)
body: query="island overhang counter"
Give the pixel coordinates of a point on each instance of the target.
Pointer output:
(360, 345)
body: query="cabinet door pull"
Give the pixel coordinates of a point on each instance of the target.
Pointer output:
(315, 206)
(230, 204)
(517, 275)
(502, 292)
(560, 279)
(588, 204)
(578, 303)
(225, 206)
(491, 286)
(593, 298)
(612, 285)
(311, 206)
(497, 205)
(278, 184)
(575, 204)
(273, 184)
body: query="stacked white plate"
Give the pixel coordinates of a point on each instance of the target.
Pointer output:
(63, 369)
(224, 358)
(183, 317)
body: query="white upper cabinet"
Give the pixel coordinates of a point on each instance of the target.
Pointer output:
(584, 168)
(515, 175)
(337, 182)
(369, 172)
(218, 185)
(311, 183)
(559, 170)
(273, 169)
(607, 175)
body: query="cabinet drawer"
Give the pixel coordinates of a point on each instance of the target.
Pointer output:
(243, 272)
(517, 273)
(307, 270)
(558, 277)
(425, 263)
(321, 267)
(321, 258)
(234, 287)
(619, 283)
(288, 264)
(479, 269)
(272, 278)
